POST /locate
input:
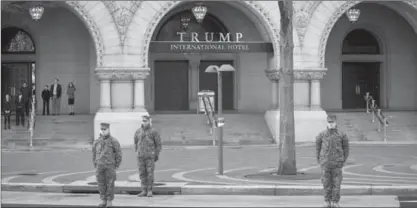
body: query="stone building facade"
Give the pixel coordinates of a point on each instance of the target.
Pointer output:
(105, 47)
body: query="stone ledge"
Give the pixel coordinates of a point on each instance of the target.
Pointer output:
(174, 188)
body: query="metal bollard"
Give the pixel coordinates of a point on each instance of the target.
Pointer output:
(367, 102)
(385, 129)
(379, 123)
(213, 130)
(373, 111)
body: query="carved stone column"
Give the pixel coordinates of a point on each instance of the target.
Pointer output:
(122, 90)
(139, 90)
(312, 77)
(315, 89)
(274, 76)
(194, 72)
(105, 89)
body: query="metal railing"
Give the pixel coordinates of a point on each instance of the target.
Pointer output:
(209, 111)
(372, 107)
(32, 120)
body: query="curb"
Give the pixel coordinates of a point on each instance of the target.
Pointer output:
(182, 188)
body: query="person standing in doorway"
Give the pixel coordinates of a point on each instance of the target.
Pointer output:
(7, 112)
(20, 109)
(332, 151)
(107, 157)
(46, 95)
(71, 97)
(56, 92)
(27, 94)
(147, 147)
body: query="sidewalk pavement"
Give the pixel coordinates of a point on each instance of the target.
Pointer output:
(15, 199)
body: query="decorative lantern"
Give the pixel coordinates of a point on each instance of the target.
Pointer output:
(353, 14)
(36, 12)
(185, 21)
(199, 12)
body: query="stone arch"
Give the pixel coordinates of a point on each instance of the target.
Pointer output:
(98, 20)
(147, 19)
(323, 19)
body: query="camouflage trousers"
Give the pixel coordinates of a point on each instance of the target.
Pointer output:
(146, 172)
(106, 177)
(332, 180)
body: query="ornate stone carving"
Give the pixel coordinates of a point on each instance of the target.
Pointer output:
(121, 74)
(308, 75)
(94, 29)
(122, 14)
(303, 18)
(273, 75)
(333, 19)
(167, 6)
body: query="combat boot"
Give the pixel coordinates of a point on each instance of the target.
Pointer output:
(150, 194)
(103, 203)
(327, 204)
(335, 205)
(109, 204)
(142, 194)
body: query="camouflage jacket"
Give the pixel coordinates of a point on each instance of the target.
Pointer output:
(147, 142)
(107, 151)
(332, 148)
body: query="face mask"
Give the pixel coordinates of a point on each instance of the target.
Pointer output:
(331, 125)
(105, 132)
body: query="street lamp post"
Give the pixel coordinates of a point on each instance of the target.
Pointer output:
(220, 120)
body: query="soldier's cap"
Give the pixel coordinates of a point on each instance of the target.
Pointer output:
(331, 118)
(106, 125)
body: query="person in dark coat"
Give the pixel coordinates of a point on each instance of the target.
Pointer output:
(20, 109)
(56, 92)
(7, 112)
(46, 96)
(27, 94)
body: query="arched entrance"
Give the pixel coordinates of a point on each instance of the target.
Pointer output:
(375, 54)
(179, 54)
(359, 76)
(174, 94)
(18, 71)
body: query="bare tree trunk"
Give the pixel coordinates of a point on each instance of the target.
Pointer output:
(287, 158)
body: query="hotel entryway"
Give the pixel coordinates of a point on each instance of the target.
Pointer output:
(357, 79)
(171, 86)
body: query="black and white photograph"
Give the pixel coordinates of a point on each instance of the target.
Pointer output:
(234, 103)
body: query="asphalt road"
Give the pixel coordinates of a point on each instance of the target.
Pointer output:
(367, 164)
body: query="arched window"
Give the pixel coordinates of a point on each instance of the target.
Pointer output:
(360, 41)
(169, 30)
(16, 40)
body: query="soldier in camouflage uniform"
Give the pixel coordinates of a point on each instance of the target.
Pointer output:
(147, 146)
(107, 156)
(332, 151)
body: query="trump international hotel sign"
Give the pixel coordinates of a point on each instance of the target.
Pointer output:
(209, 42)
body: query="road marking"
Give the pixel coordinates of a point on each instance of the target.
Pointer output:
(414, 167)
(300, 170)
(50, 180)
(380, 168)
(180, 176)
(93, 177)
(308, 168)
(8, 179)
(18, 172)
(412, 201)
(135, 177)
(373, 176)
(313, 182)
